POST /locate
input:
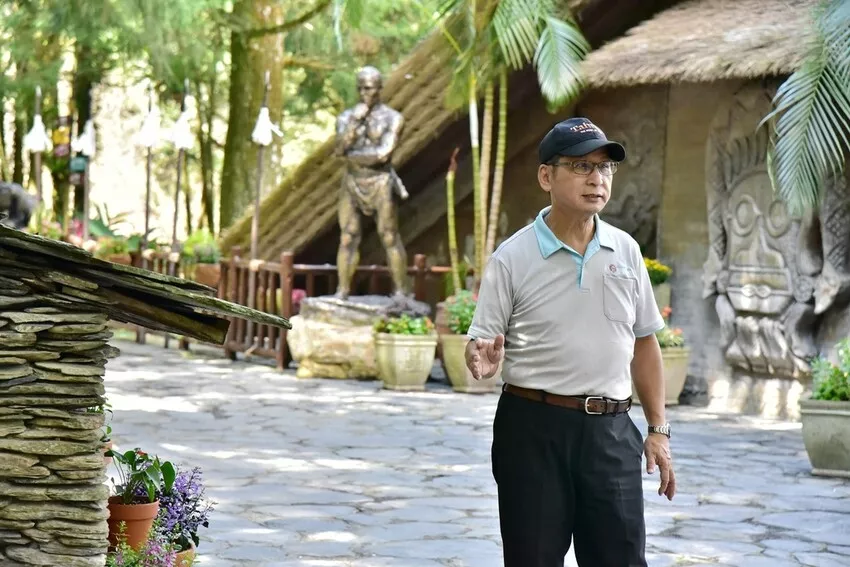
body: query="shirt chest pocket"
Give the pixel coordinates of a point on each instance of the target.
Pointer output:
(619, 298)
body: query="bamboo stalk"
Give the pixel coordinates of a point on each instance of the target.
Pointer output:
(499, 173)
(486, 156)
(450, 219)
(476, 178)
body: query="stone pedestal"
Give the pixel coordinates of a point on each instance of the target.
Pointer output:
(333, 338)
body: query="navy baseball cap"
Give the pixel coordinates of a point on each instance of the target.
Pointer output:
(577, 137)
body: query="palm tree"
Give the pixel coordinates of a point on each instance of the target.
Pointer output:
(811, 118)
(491, 38)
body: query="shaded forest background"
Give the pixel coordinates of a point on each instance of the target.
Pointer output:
(96, 59)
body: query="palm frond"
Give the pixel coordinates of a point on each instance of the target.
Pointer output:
(346, 12)
(811, 118)
(516, 27)
(557, 60)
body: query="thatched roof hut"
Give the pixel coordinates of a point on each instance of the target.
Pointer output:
(707, 40)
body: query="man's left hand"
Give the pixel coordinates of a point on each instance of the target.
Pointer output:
(657, 451)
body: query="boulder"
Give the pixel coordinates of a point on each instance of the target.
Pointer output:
(333, 337)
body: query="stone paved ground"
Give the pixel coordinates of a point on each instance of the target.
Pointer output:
(329, 473)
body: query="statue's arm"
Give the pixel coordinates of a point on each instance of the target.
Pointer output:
(382, 152)
(346, 132)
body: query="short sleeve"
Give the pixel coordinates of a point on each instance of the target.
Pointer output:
(648, 318)
(495, 302)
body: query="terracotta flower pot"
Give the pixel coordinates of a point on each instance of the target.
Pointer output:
(138, 520)
(186, 558)
(119, 259)
(208, 274)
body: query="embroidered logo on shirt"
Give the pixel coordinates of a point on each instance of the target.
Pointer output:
(612, 268)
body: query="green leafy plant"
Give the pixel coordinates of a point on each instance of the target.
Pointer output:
(669, 337)
(111, 246)
(460, 308)
(405, 325)
(832, 381)
(201, 247)
(658, 272)
(137, 469)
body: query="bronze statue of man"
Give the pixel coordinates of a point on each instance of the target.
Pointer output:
(367, 135)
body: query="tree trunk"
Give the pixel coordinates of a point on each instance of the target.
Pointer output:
(4, 161)
(18, 151)
(499, 173)
(84, 80)
(206, 114)
(250, 58)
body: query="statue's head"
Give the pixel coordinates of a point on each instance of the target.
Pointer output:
(369, 83)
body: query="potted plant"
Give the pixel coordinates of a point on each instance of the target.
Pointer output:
(459, 311)
(675, 355)
(658, 275)
(183, 509)
(140, 474)
(825, 415)
(156, 551)
(113, 249)
(201, 255)
(405, 348)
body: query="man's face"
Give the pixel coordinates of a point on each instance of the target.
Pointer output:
(572, 191)
(369, 90)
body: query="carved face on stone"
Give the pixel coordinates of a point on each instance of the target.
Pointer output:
(759, 278)
(369, 86)
(575, 194)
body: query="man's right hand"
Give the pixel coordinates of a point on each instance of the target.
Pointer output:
(483, 356)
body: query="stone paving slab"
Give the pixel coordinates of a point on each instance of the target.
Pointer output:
(329, 473)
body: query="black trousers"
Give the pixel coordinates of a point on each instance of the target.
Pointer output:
(560, 473)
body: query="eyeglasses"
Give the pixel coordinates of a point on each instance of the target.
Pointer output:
(582, 167)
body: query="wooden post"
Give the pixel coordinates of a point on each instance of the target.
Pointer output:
(421, 265)
(287, 261)
(231, 296)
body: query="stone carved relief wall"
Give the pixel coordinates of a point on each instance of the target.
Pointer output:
(773, 275)
(636, 117)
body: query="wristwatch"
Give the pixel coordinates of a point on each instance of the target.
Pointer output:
(660, 429)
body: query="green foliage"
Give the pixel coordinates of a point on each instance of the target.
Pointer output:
(460, 309)
(111, 246)
(669, 336)
(658, 272)
(516, 33)
(832, 381)
(201, 247)
(811, 119)
(138, 470)
(405, 325)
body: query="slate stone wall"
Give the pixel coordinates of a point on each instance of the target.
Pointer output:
(52, 356)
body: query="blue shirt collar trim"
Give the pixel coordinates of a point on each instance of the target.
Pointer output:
(549, 243)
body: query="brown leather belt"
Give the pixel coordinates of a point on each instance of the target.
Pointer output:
(593, 405)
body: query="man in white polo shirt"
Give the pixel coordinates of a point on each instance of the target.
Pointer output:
(567, 308)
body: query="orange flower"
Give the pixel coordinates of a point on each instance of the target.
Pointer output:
(666, 312)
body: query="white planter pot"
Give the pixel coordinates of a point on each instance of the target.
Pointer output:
(454, 361)
(675, 364)
(826, 435)
(405, 361)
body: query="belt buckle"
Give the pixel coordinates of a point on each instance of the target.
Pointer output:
(587, 410)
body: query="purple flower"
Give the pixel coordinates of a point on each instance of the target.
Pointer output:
(184, 509)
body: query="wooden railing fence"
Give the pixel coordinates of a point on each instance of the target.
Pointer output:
(163, 263)
(270, 286)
